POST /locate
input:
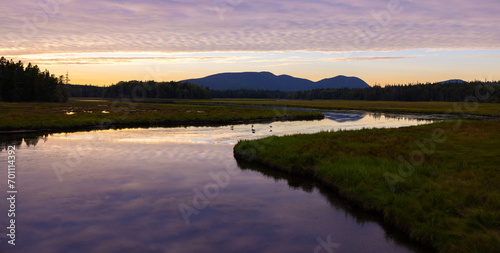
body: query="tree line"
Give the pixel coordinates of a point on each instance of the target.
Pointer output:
(152, 89)
(140, 89)
(29, 84)
(447, 92)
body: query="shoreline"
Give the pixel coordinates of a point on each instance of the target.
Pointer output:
(359, 180)
(461, 109)
(337, 189)
(188, 123)
(28, 117)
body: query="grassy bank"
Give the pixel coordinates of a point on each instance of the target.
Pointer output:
(81, 114)
(481, 109)
(439, 183)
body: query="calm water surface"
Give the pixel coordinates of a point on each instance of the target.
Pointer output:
(181, 190)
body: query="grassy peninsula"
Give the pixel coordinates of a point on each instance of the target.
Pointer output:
(103, 113)
(438, 183)
(453, 108)
(170, 112)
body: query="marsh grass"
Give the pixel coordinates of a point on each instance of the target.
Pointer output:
(451, 201)
(54, 116)
(454, 108)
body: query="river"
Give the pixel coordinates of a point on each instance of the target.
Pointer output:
(181, 190)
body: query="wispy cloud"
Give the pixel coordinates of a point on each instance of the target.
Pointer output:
(481, 56)
(122, 57)
(288, 64)
(60, 26)
(371, 58)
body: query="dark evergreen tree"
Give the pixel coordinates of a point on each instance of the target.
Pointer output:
(448, 92)
(139, 90)
(19, 84)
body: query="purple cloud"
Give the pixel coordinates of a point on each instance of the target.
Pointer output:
(58, 26)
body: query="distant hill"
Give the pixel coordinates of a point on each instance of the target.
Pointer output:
(452, 81)
(269, 81)
(342, 82)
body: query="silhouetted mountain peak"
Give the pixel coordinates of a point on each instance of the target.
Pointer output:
(268, 81)
(452, 81)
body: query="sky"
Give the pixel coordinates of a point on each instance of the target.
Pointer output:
(102, 42)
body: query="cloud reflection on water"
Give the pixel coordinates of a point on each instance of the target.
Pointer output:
(124, 197)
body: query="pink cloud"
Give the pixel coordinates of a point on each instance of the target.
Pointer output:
(221, 25)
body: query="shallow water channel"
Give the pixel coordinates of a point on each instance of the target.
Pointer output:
(181, 190)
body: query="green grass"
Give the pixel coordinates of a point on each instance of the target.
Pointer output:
(37, 116)
(447, 196)
(482, 109)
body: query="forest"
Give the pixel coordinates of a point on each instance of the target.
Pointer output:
(446, 92)
(152, 89)
(140, 89)
(29, 84)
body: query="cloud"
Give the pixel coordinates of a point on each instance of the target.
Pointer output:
(481, 56)
(370, 58)
(288, 64)
(57, 26)
(121, 57)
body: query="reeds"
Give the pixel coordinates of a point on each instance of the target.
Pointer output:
(450, 200)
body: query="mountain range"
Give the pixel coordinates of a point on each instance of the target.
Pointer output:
(452, 81)
(270, 81)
